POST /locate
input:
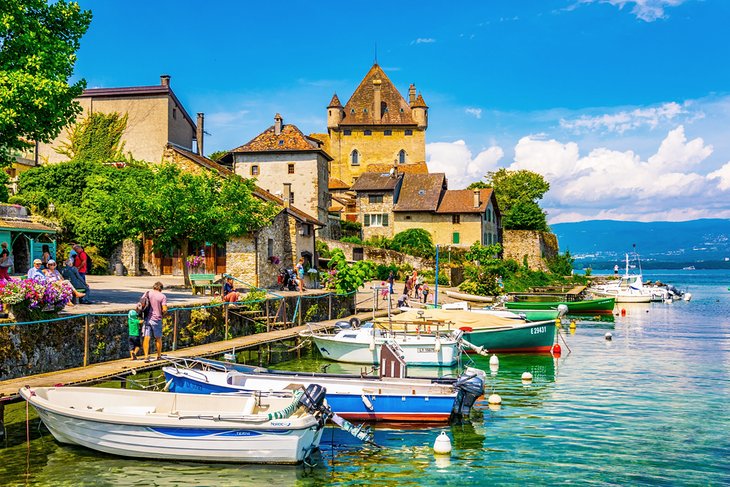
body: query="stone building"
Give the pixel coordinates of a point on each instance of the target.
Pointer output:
(375, 128)
(376, 195)
(289, 164)
(254, 258)
(156, 117)
(390, 203)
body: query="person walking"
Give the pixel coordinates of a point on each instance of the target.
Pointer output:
(81, 262)
(300, 274)
(153, 321)
(391, 282)
(425, 290)
(133, 323)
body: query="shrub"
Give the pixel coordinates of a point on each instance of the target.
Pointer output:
(415, 241)
(352, 240)
(383, 271)
(350, 229)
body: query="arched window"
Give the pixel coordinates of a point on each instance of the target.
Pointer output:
(402, 157)
(355, 158)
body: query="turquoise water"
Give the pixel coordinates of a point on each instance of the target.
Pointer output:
(648, 407)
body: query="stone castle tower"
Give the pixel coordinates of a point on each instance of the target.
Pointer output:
(376, 129)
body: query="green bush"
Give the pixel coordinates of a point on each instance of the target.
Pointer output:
(383, 271)
(322, 249)
(350, 229)
(415, 241)
(352, 240)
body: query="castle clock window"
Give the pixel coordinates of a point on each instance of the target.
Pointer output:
(291, 168)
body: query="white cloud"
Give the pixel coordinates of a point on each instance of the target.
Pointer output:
(455, 159)
(723, 174)
(620, 184)
(423, 40)
(477, 112)
(623, 121)
(646, 10)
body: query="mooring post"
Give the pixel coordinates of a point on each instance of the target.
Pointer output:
(329, 304)
(225, 306)
(301, 310)
(174, 330)
(86, 340)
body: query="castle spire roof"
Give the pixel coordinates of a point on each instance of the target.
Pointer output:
(394, 108)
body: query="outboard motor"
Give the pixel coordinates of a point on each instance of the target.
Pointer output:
(313, 398)
(470, 387)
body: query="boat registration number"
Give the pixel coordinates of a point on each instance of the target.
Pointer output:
(538, 330)
(426, 350)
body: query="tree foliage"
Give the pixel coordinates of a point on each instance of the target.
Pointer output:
(96, 138)
(415, 241)
(346, 278)
(39, 40)
(214, 156)
(518, 193)
(478, 185)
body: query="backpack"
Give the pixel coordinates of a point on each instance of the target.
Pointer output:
(143, 306)
(89, 264)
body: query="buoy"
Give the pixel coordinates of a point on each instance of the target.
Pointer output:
(494, 361)
(557, 350)
(526, 377)
(494, 399)
(623, 311)
(442, 445)
(572, 324)
(608, 336)
(437, 346)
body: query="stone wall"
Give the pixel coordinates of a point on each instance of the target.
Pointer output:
(386, 208)
(48, 347)
(536, 245)
(127, 253)
(379, 256)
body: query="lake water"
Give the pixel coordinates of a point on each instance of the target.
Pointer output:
(649, 407)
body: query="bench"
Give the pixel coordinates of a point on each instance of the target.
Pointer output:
(201, 282)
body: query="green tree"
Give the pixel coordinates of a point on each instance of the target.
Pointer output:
(39, 41)
(519, 191)
(96, 138)
(345, 277)
(217, 155)
(478, 185)
(415, 241)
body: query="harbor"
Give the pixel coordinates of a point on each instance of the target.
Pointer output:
(648, 399)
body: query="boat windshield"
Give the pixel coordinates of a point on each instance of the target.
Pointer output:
(367, 325)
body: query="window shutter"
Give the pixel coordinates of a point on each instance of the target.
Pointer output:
(455, 238)
(367, 220)
(385, 219)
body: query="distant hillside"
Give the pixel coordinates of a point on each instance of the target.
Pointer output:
(606, 241)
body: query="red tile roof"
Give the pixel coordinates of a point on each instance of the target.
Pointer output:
(290, 139)
(373, 181)
(421, 192)
(462, 201)
(335, 183)
(359, 108)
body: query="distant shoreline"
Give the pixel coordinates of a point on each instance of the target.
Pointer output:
(675, 265)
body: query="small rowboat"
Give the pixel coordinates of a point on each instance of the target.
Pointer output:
(603, 305)
(252, 428)
(352, 398)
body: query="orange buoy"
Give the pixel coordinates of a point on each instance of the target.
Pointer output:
(623, 311)
(556, 350)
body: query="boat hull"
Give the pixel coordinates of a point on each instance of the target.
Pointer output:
(527, 338)
(366, 405)
(165, 437)
(417, 350)
(603, 305)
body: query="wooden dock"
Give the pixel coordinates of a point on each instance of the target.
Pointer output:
(100, 372)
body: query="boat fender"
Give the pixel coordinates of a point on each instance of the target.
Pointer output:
(557, 351)
(608, 336)
(442, 445)
(355, 322)
(437, 345)
(494, 399)
(371, 347)
(367, 403)
(526, 377)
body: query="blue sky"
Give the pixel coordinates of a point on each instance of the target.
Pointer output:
(624, 106)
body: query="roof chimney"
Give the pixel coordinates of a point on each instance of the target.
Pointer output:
(277, 124)
(412, 94)
(199, 133)
(477, 198)
(376, 101)
(165, 80)
(287, 195)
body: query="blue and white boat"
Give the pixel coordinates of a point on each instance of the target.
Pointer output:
(351, 397)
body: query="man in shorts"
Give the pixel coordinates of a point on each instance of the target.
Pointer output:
(153, 321)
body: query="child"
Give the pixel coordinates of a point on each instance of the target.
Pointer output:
(134, 342)
(403, 300)
(425, 290)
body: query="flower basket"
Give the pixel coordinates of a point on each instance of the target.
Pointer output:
(196, 264)
(30, 300)
(274, 260)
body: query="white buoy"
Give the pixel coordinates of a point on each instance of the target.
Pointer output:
(526, 377)
(494, 361)
(687, 296)
(442, 445)
(494, 399)
(608, 336)
(437, 345)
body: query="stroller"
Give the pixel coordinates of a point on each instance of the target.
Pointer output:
(287, 279)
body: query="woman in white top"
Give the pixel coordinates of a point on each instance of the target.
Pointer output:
(52, 275)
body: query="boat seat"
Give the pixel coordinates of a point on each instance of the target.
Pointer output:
(128, 410)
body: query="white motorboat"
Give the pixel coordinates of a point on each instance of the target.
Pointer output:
(362, 345)
(253, 428)
(628, 289)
